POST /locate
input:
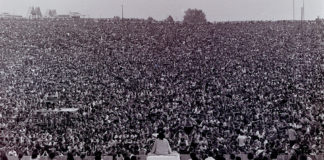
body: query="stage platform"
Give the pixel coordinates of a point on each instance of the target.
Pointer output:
(173, 156)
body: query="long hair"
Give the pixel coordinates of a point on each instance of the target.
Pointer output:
(82, 156)
(98, 155)
(20, 156)
(34, 154)
(51, 155)
(70, 156)
(3, 155)
(193, 156)
(161, 136)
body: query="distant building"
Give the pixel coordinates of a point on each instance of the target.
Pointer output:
(75, 15)
(71, 15)
(63, 16)
(9, 16)
(5, 15)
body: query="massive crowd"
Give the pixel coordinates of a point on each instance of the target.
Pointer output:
(224, 88)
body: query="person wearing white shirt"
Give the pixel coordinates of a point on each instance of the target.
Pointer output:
(210, 156)
(162, 150)
(13, 153)
(161, 146)
(259, 134)
(241, 139)
(292, 136)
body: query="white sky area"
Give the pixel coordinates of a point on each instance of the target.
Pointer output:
(216, 10)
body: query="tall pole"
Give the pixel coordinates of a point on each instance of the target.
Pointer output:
(303, 9)
(293, 9)
(122, 11)
(302, 16)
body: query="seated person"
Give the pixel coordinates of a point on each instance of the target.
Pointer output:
(161, 146)
(162, 150)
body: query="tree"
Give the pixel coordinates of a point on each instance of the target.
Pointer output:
(169, 20)
(318, 21)
(194, 16)
(38, 12)
(32, 13)
(116, 18)
(150, 19)
(52, 13)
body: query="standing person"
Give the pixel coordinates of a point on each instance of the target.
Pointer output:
(98, 155)
(241, 139)
(250, 156)
(34, 155)
(51, 156)
(193, 156)
(3, 156)
(82, 156)
(119, 156)
(292, 136)
(20, 156)
(183, 143)
(70, 156)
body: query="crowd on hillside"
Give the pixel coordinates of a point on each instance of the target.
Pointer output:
(225, 88)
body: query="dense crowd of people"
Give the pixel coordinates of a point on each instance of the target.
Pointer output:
(224, 88)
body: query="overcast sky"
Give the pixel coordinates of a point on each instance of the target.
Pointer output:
(216, 10)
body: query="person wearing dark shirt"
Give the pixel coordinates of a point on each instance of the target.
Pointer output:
(3, 156)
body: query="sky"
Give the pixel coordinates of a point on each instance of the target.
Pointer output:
(215, 10)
